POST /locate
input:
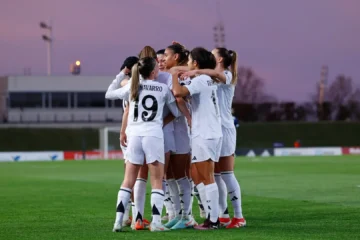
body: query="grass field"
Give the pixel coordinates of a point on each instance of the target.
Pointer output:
(283, 198)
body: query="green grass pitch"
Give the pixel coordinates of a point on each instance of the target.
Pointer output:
(283, 198)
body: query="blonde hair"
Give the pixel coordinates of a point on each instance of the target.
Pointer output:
(147, 51)
(135, 82)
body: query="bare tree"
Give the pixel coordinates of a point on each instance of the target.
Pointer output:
(250, 88)
(343, 96)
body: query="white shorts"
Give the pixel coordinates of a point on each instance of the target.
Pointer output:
(123, 149)
(228, 142)
(169, 141)
(182, 142)
(205, 149)
(150, 148)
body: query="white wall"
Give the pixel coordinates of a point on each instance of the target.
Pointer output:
(58, 83)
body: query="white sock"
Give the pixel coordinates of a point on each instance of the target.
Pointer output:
(212, 197)
(133, 213)
(202, 194)
(234, 191)
(222, 196)
(123, 197)
(127, 211)
(175, 195)
(168, 203)
(157, 203)
(192, 195)
(185, 192)
(197, 195)
(139, 198)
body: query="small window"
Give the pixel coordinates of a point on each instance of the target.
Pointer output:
(90, 99)
(26, 100)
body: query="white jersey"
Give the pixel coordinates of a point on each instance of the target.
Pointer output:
(180, 123)
(206, 120)
(225, 93)
(146, 112)
(166, 78)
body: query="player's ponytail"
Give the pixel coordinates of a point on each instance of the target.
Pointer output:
(229, 61)
(234, 67)
(144, 67)
(135, 81)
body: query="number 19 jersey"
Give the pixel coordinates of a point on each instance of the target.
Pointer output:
(146, 111)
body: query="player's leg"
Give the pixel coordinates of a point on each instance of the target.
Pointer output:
(154, 154)
(169, 146)
(135, 159)
(227, 162)
(224, 217)
(174, 195)
(205, 153)
(140, 197)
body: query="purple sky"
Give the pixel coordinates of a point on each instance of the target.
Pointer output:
(285, 41)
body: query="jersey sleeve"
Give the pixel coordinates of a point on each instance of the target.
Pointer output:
(120, 93)
(115, 84)
(171, 103)
(195, 86)
(169, 82)
(228, 77)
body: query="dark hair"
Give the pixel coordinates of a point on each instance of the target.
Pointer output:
(129, 62)
(161, 51)
(183, 53)
(144, 68)
(203, 57)
(229, 60)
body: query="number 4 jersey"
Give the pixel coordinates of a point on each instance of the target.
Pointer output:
(206, 120)
(146, 111)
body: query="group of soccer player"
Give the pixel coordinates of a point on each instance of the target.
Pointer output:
(177, 125)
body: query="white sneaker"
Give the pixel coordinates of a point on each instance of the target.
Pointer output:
(117, 227)
(157, 227)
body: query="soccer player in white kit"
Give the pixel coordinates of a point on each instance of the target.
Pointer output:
(147, 99)
(180, 187)
(121, 80)
(226, 75)
(206, 132)
(139, 193)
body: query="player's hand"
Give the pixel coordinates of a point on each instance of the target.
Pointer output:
(189, 74)
(123, 139)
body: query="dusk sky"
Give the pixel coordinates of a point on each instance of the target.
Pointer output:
(285, 41)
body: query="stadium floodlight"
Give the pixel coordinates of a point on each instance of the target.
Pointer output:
(48, 39)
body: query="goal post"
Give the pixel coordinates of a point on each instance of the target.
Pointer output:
(109, 141)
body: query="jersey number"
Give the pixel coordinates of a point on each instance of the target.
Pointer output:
(213, 98)
(145, 114)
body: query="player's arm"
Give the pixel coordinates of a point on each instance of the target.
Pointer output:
(123, 138)
(168, 119)
(117, 82)
(172, 104)
(178, 90)
(120, 93)
(218, 76)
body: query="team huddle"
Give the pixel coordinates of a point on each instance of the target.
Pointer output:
(177, 125)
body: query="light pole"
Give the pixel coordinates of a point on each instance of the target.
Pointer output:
(48, 39)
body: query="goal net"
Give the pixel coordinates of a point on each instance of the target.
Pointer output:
(110, 143)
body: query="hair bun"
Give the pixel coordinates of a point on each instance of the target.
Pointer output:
(231, 52)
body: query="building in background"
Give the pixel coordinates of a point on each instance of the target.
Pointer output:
(31, 99)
